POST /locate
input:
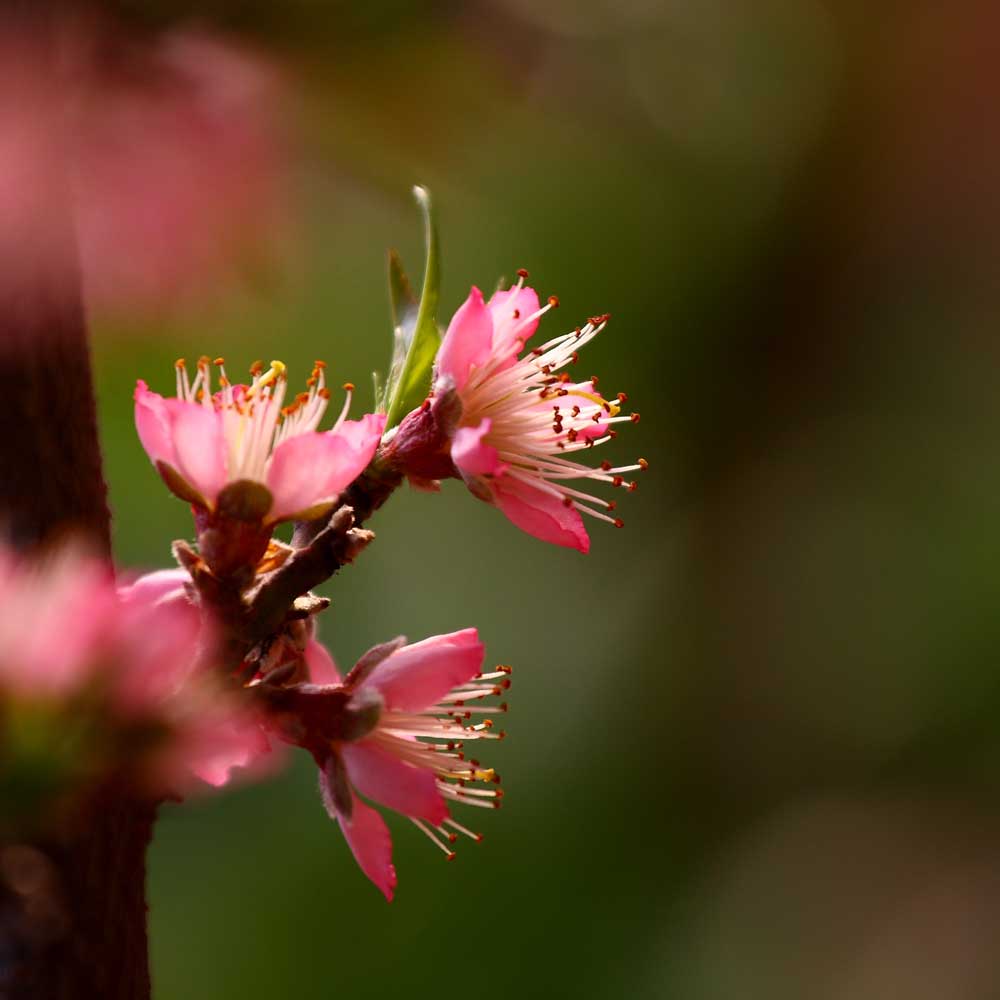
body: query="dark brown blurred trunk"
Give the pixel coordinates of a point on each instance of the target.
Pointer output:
(72, 907)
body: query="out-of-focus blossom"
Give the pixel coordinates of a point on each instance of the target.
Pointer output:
(202, 442)
(394, 730)
(166, 148)
(178, 163)
(507, 425)
(94, 683)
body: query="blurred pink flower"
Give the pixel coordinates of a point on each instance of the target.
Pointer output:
(393, 731)
(124, 670)
(516, 420)
(178, 163)
(166, 147)
(201, 441)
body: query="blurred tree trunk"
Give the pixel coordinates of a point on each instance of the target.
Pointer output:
(72, 908)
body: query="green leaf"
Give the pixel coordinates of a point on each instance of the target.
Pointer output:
(415, 330)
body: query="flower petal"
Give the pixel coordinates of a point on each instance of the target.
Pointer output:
(393, 782)
(417, 675)
(199, 445)
(322, 669)
(540, 513)
(469, 340)
(160, 585)
(511, 332)
(369, 840)
(472, 454)
(314, 467)
(152, 421)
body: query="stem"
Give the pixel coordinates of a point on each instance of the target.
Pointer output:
(72, 907)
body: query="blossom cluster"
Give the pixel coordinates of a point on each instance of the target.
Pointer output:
(215, 664)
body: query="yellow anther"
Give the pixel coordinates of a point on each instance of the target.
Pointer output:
(484, 775)
(276, 371)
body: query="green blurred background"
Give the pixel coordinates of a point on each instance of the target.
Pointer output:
(753, 748)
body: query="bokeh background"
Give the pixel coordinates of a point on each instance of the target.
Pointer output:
(754, 748)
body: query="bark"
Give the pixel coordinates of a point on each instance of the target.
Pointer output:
(72, 907)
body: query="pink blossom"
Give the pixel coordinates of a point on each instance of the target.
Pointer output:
(393, 731)
(518, 419)
(123, 668)
(179, 164)
(203, 441)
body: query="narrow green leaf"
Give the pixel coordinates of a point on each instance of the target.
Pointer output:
(415, 346)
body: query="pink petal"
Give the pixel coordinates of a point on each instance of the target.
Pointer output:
(315, 467)
(200, 446)
(540, 513)
(369, 840)
(510, 333)
(151, 588)
(469, 340)
(322, 669)
(393, 782)
(472, 454)
(152, 421)
(416, 676)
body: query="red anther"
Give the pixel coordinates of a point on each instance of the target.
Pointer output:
(606, 466)
(567, 502)
(574, 357)
(632, 487)
(634, 418)
(319, 364)
(452, 837)
(611, 504)
(612, 434)
(643, 465)
(619, 523)
(257, 367)
(622, 397)
(204, 361)
(578, 331)
(572, 434)
(562, 392)
(505, 683)
(546, 369)
(564, 377)
(219, 361)
(617, 481)
(517, 314)
(496, 778)
(559, 444)
(589, 443)
(554, 301)
(450, 856)
(503, 706)
(425, 405)
(597, 417)
(479, 838)
(594, 380)
(505, 669)
(311, 381)
(576, 411)
(302, 397)
(323, 393)
(459, 704)
(348, 387)
(522, 273)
